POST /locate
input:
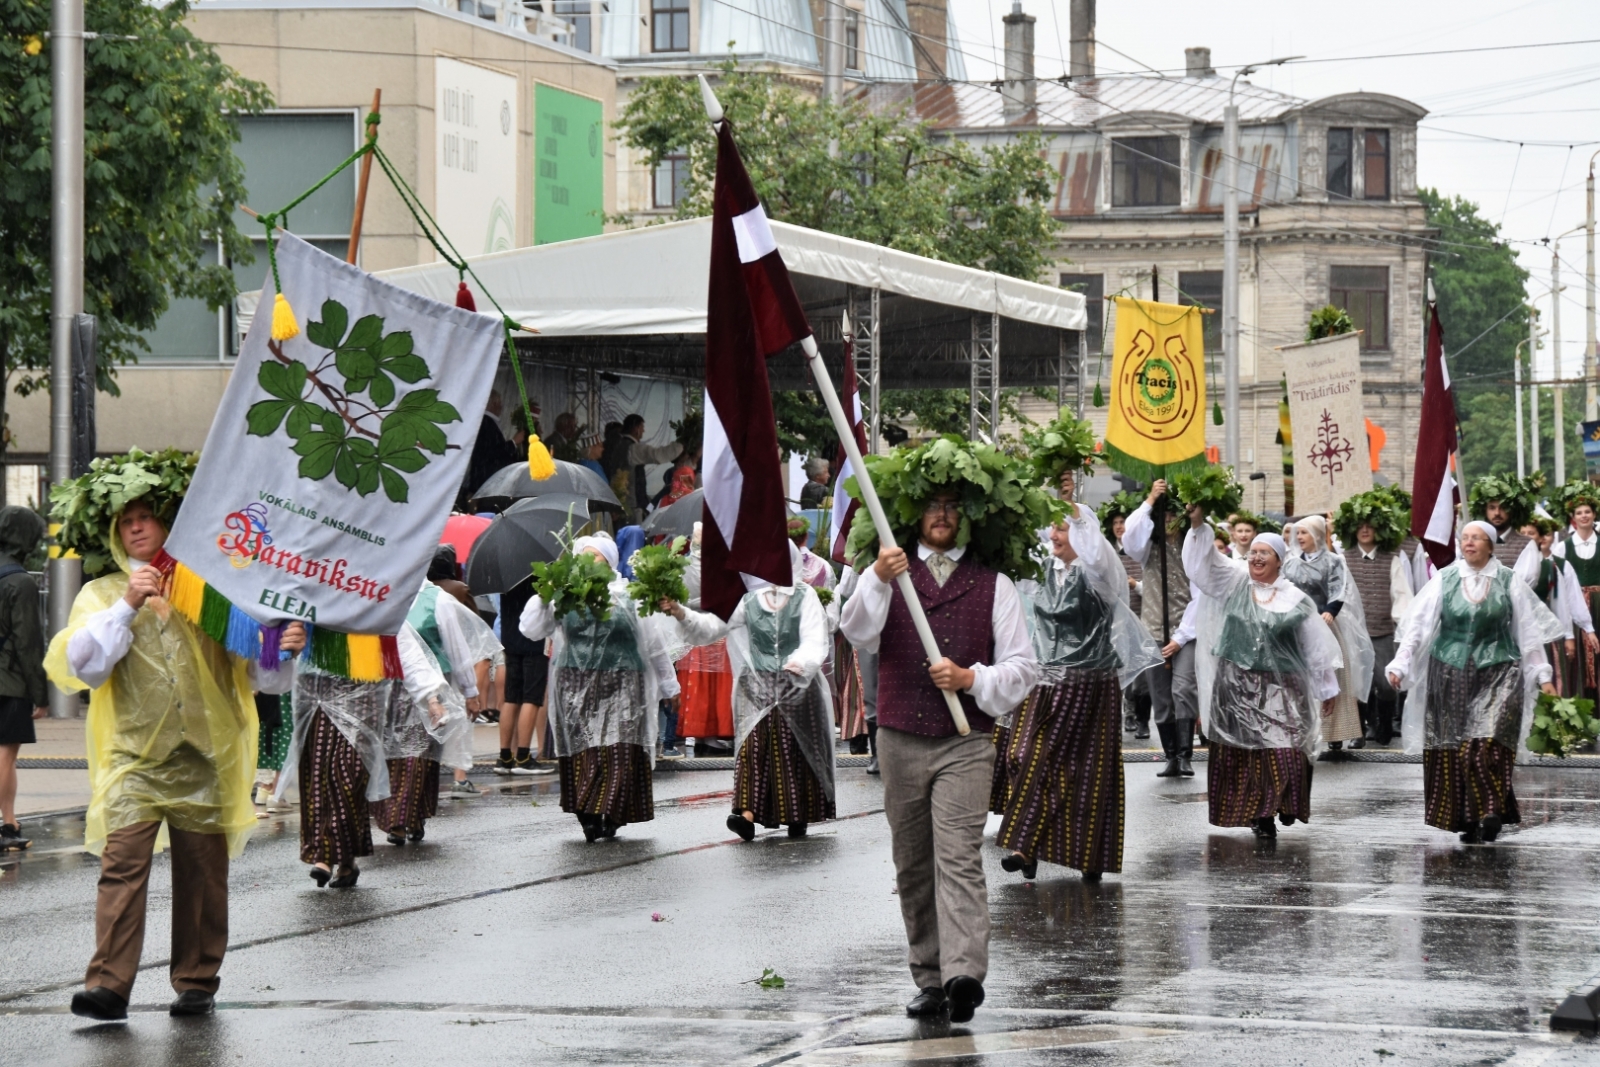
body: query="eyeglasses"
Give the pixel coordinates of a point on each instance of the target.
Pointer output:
(946, 507)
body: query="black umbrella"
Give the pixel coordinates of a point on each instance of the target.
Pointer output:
(512, 482)
(528, 532)
(676, 519)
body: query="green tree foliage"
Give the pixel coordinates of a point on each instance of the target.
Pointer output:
(160, 177)
(892, 182)
(1489, 434)
(1478, 284)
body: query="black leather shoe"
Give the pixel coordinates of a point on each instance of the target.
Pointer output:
(346, 879)
(797, 829)
(1490, 827)
(1185, 768)
(101, 1003)
(1360, 742)
(965, 994)
(1091, 876)
(927, 1003)
(397, 836)
(320, 875)
(1265, 829)
(193, 1002)
(591, 827)
(1143, 732)
(1171, 770)
(742, 826)
(1472, 835)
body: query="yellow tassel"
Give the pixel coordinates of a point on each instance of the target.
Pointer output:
(284, 325)
(366, 658)
(540, 465)
(187, 592)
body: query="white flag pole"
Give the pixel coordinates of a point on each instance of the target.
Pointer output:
(869, 495)
(880, 522)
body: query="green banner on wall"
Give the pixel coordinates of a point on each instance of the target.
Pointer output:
(569, 174)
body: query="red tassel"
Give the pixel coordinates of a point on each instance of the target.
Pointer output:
(464, 298)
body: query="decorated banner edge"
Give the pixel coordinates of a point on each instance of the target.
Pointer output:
(359, 657)
(1146, 472)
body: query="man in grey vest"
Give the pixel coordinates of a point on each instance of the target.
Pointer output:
(1167, 595)
(1385, 587)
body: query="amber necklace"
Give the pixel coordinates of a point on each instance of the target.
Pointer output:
(1270, 596)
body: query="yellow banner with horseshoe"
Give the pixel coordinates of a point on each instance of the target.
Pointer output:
(1156, 427)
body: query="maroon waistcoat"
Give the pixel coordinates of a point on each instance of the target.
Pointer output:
(961, 616)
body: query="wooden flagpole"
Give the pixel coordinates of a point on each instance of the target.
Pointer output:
(361, 188)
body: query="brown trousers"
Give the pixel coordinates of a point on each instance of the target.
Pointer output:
(936, 798)
(199, 908)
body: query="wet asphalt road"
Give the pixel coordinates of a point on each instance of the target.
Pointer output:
(1366, 938)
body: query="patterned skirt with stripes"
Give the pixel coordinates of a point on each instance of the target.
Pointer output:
(1064, 781)
(1000, 784)
(1247, 784)
(773, 781)
(1471, 728)
(413, 795)
(849, 704)
(334, 824)
(614, 780)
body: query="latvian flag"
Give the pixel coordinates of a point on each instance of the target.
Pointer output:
(844, 506)
(1434, 491)
(752, 313)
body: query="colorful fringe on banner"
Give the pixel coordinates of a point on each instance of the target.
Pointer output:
(362, 657)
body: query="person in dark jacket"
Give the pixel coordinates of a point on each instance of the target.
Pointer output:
(490, 452)
(23, 695)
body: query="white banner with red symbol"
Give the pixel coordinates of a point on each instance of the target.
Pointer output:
(336, 454)
(1328, 422)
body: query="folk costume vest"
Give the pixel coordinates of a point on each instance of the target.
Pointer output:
(1372, 580)
(1479, 634)
(960, 614)
(424, 618)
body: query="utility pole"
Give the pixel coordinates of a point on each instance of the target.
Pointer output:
(1533, 383)
(1561, 431)
(1230, 264)
(1516, 388)
(833, 51)
(66, 285)
(1591, 365)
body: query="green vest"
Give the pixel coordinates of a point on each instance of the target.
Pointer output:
(1260, 640)
(1071, 624)
(1477, 634)
(594, 645)
(1588, 570)
(774, 635)
(424, 618)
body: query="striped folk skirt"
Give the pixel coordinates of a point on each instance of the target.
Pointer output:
(1464, 784)
(849, 703)
(334, 824)
(1000, 785)
(773, 781)
(413, 795)
(614, 780)
(1246, 784)
(1064, 780)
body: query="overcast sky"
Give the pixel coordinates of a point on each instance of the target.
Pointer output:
(1546, 98)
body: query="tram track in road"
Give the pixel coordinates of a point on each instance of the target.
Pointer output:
(460, 898)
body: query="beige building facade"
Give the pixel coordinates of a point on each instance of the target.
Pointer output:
(501, 128)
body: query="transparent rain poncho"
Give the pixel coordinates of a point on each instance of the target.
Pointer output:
(1079, 617)
(700, 658)
(606, 676)
(1265, 660)
(418, 715)
(773, 629)
(1326, 579)
(171, 736)
(1485, 616)
(472, 641)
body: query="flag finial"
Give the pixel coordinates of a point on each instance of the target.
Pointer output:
(713, 106)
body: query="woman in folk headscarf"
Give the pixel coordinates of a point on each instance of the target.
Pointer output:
(777, 644)
(1060, 765)
(1324, 576)
(1473, 652)
(606, 679)
(1266, 665)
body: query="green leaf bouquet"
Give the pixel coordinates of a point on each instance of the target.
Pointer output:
(658, 575)
(575, 583)
(1562, 724)
(1067, 444)
(1214, 489)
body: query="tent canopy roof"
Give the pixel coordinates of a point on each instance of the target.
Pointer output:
(634, 302)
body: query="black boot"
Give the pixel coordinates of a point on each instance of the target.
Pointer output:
(872, 745)
(1185, 731)
(1141, 716)
(1169, 747)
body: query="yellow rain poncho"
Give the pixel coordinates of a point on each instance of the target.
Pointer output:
(172, 735)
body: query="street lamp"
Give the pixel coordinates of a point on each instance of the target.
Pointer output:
(1230, 262)
(1590, 407)
(1555, 354)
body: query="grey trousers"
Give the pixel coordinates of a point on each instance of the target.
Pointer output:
(936, 797)
(868, 662)
(1175, 693)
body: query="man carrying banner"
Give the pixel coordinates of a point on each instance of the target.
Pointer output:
(936, 782)
(171, 735)
(1167, 598)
